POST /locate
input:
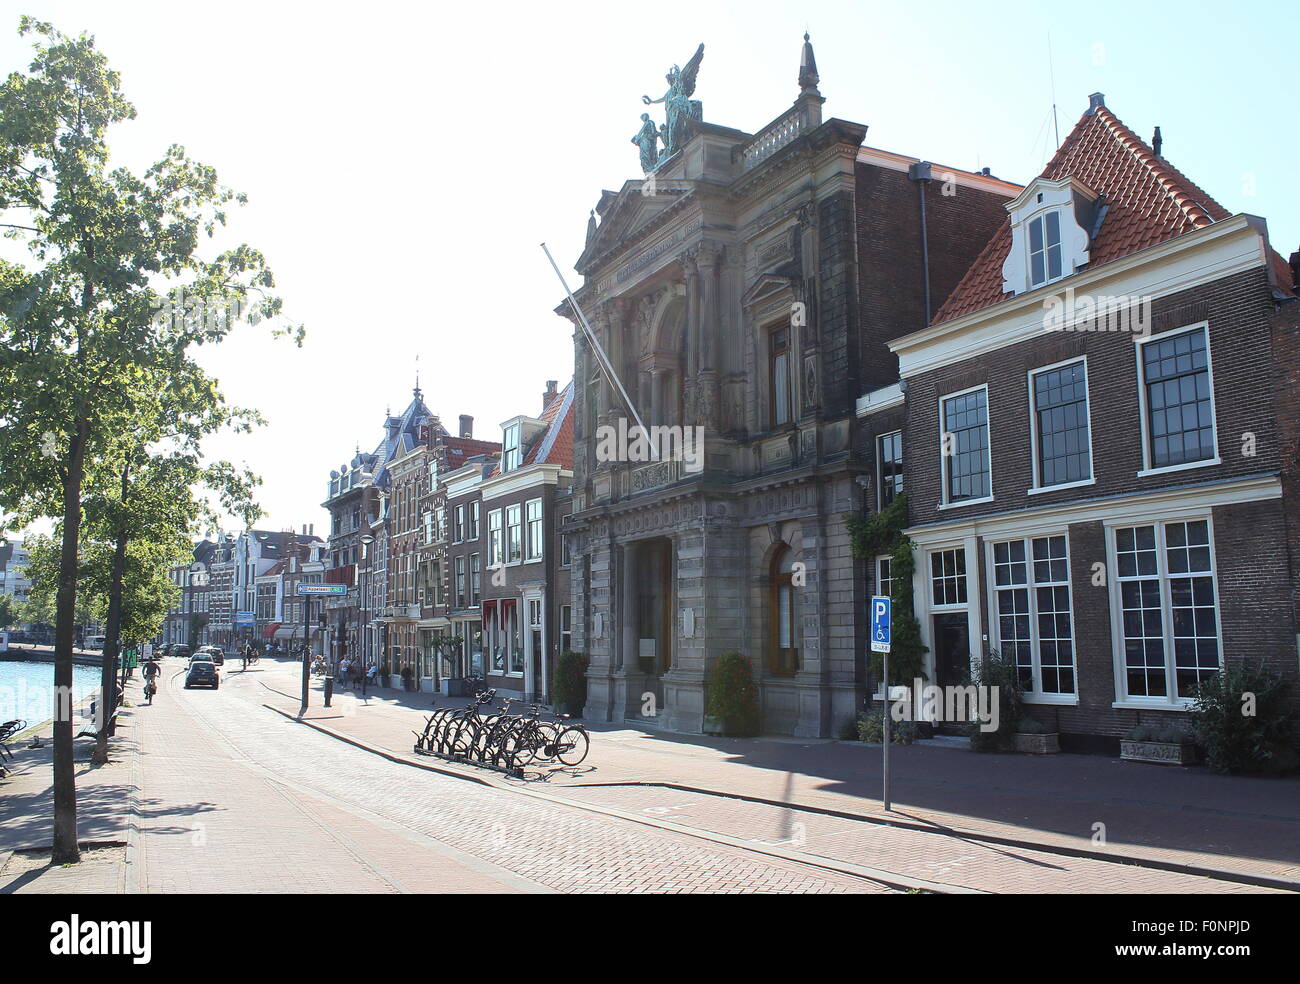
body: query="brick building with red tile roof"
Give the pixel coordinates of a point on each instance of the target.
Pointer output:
(1098, 445)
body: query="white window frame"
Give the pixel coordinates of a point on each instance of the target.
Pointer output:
(1036, 486)
(1139, 344)
(943, 458)
(928, 573)
(879, 581)
(534, 547)
(511, 448)
(1035, 650)
(1041, 216)
(1170, 702)
(514, 524)
(458, 524)
(496, 538)
(472, 517)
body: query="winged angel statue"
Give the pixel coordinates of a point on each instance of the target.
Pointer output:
(682, 111)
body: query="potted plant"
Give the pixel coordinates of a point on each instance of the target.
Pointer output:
(408, 676)
(1032, 737)
(1163, 746)
(1000, 676)
(870, 729)
(569, 688)
(731, 701)
(385, 673)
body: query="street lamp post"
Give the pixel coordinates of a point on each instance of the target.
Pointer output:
(366, 541)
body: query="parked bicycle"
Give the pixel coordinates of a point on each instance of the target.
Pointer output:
(496, 738)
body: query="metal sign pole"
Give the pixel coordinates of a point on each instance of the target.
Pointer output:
(306, 663)
(888, 736)
(881, 642)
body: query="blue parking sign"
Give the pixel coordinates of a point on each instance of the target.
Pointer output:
(880, 612)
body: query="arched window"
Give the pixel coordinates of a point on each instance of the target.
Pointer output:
(784, 610)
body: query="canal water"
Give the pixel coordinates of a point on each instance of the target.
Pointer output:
(27, 689)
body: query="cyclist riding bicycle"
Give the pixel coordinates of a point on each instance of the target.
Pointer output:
(151, 671)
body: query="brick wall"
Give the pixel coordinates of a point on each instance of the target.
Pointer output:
(1237, 308)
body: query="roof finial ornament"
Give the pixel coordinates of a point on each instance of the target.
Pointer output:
(808, 77)
(1157, 142)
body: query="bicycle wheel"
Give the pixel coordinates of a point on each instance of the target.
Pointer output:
(572, 745)
(516, 746)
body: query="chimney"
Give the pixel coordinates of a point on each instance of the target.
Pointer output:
(466, 425)
(1295, 270)
(549, 395)
(1095, 102)
(1157, 142)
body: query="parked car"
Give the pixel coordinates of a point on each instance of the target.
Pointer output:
(181, 651)
(216, 652)
(202, 673)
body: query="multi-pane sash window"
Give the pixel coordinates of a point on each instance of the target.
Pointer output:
(1165, 574)
(511, 624)
(948, 576)
(889, 455)
(1032, 586)
(535, 529)
(472, 532)
(1045, 248)
(510, 451)
(460, 582)
(884, 575)
(1061, 420)
(458, 528)
(779, 373)
(966, 446)
(1180, 411)
(495, 553)
(566, 628)
(475, 580)
(514, 533)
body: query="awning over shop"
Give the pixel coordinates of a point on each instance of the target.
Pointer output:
(268, 631)
(488, 608)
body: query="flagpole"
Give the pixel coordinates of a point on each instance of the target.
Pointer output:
(605, 365)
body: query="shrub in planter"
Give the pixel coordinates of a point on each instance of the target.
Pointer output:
(1163, 746)
(385, 671)
(569, 688)
(1032, 737)
(731, 697)
(408, 675)
(871, 729)
(1242, 720)
(993, 671)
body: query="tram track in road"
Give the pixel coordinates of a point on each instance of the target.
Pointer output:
(846, 830)
(558, 845)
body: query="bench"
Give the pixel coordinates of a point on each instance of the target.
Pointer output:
(88, 729)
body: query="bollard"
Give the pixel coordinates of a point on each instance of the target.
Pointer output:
(329, 689)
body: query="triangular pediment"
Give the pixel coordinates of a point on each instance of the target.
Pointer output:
(630, 211)
(767, 288)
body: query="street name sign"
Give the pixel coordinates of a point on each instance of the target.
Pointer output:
(322, 589)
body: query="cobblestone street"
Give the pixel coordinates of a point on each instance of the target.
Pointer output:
(236, 798)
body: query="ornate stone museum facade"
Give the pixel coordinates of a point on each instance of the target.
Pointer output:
(749, 286)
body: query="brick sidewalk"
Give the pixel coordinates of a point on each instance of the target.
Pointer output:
(105, 794)
(1158, 815)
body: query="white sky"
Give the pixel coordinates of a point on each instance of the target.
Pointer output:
(403, 161)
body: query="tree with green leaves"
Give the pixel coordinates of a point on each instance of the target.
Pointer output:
(116, 296)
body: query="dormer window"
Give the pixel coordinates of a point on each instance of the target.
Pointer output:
(1045, 248)
(510, 453)
(1050, 239)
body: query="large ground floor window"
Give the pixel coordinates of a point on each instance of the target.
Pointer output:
(1033, 617)
(1166, 601)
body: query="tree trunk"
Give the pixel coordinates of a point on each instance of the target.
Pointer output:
(112, 644)
(65, 849)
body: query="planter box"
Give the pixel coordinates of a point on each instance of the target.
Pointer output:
(1038, 744)
(1159, 752)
